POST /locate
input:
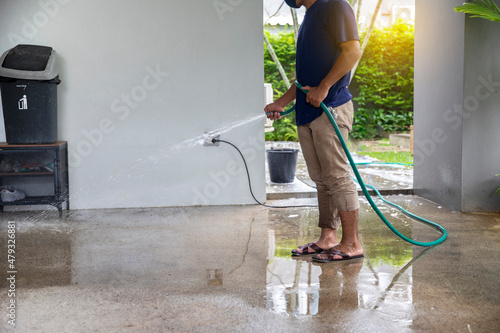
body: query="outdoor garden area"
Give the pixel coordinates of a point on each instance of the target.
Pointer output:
(382, 82)
(382, 89)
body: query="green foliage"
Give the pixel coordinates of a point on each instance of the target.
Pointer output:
(284, 130)
(284, 47)
(382, 86)
(383, 83)
(390, 156)
(485, 9)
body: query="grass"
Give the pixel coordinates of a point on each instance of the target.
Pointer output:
(384, 151)
(390, 156)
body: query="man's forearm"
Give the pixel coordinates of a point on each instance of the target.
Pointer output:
(349, 55)
(287, 97)
(346, 60)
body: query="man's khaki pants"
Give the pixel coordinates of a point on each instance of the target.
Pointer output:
(328, 165)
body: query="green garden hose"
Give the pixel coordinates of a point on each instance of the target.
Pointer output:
(383, 163)
(365, 191)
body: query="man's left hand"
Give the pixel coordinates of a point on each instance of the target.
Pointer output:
(316, 95)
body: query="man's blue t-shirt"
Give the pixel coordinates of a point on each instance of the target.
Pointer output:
(327, 23)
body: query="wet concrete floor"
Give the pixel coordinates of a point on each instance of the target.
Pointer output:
(388, 179)
(228, 269)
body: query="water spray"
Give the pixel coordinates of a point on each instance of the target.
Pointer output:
(215, 139)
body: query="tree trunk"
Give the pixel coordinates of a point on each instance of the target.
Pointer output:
(367, 37)
(360, 2)
(295, 24)
(276, 61)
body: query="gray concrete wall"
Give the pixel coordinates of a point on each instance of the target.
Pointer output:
(141, 82)
(481, 116)
(456, 107)
(439, 63)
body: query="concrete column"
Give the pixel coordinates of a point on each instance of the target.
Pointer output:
(457, 107)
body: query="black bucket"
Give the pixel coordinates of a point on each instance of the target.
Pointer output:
(282, 164)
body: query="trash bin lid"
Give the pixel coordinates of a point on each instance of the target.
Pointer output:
(30, 62)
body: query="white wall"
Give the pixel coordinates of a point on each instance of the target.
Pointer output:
(141, 82)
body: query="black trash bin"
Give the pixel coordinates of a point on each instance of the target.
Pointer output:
(282, 164)
(28, 83)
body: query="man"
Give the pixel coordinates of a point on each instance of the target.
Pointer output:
(327, 50)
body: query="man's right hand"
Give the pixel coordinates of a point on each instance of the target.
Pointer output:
(273, 111)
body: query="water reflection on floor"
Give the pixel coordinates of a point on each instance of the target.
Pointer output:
(301, 287)
(229, 269)
(387, 176)
(380, 282)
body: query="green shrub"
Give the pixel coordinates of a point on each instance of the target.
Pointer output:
(284, 130)
(284, 47)
(382, 86)
(383, 83)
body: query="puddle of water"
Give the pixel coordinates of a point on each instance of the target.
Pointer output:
(382, 281)
(395, 177)
(243, 253)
